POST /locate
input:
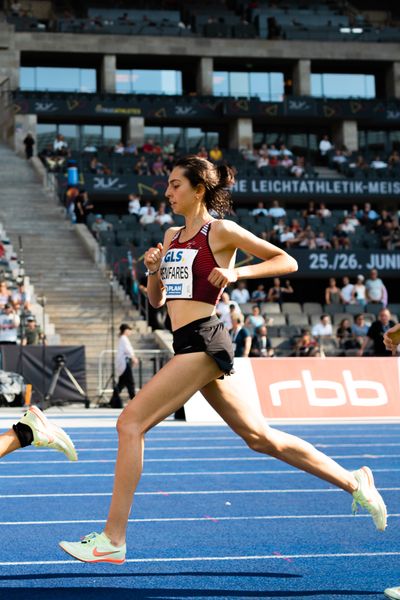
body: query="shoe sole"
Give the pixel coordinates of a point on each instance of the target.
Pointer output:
(115, 561)
(388, 594)
(60, 433)
(382, 505)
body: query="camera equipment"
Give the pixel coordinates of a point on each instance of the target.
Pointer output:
(59, 365)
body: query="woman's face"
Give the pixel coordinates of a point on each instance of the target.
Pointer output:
(180, 193)
(332, 282)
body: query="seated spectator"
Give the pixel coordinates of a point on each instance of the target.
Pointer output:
(339, 158)
(5, 294)
(260, 343)
(321, 241)
(340, 238)
(306, 239)
(323, 328)
(286, 162)
(90, 148)
(240, 336)
(332, 293)
(359, 328)
(162, 217)
(287, 237)
(273, 151)
(375, 334)
(296, 227)
(21, 299)
(276, 211)
(262, 161)
(393, 241)
(60, 146)
(9, 323)
(158, 167)
(224, 311)
(367, 215)
(310, 211)
(263, 150)
(258, 295)
(241, 294)
(148, 146)
(359, 163)
(347, 290)
(378, 163)
(169, 147)
(119, 148)
(277, 292)
(215, 154)
(100, 225)
(134, 204)
(279, 227)
(359, 293)
(131, 148)
(323, 212)
(147, 214)
(255, 319)
(374, 288)
(249, 153)
(283, 151)
(259, 210)
(347, 226)
(345, 336)
(306, 344)
(96, 167)
(298, 168)
(203, 153)
(33, 335)
(352, 216)
(142, 166)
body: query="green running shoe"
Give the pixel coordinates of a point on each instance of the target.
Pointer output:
(393, 593)
(369, 498)
(48, 435)
(95, 547)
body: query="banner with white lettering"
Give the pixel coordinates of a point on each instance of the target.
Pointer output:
(317, 263)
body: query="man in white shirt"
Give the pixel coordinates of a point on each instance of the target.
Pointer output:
(241, 294)
(375, 288)
(9, 323)
(347, 291)
(259, 210)
(124, 359)
(134, 204)
(276, 211)
(224, 310)
(323, 328)
(325, 146)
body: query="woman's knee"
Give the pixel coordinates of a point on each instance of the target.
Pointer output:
(265, 441)
(129, 424)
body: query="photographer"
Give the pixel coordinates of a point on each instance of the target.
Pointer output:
(123, 367)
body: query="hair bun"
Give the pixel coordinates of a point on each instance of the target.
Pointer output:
(226, 175)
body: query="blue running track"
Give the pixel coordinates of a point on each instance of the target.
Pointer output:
(211, 519)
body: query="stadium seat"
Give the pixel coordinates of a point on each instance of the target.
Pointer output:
(291, 307)
(298, 319)
(343, 315)
(373, 308)
(311, 308)
(282, 346)
(353, 309)
(289, 331)
(277, 320)
(272, 308)
(331, 309)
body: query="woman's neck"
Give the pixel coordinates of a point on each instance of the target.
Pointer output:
(196, 219)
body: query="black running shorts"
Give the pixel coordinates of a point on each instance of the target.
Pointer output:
(207, 335)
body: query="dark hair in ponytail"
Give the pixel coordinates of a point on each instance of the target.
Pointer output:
(216, 179)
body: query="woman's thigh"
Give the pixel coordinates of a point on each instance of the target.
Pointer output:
(170, 388)
(242, 414)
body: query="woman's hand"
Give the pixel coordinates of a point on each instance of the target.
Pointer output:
(222, 277)
(152, 258)
(390, 344)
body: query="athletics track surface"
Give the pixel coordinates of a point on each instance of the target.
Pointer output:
(211, 520)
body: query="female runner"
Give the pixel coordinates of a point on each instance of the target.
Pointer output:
(189, 272)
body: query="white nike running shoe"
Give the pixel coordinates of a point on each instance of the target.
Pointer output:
(393, 593)
(95, 547)
(48, 435)
(369, 498)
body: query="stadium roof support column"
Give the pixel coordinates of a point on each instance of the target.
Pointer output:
(393, 80)
(135, 132)
(204, 79)
(301, 77)
(241, 134)
(108, 73)
(23, 124)
(346, 134)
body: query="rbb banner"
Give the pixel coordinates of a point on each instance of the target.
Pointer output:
(312, 388)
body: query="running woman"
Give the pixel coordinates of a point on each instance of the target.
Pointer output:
(189, 272)
(34, 428)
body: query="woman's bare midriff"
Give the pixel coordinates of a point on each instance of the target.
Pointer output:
(182, 312)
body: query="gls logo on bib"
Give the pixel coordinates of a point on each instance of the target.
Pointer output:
(173, 256)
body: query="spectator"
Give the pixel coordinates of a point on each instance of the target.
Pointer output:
(147, 209)
(29, 142)
(276, 292)
(359, 328)
(202, 153)
(224, 310)
(323, 212)
(241, 338)
(162, 217)
(375, 334)
(339, 158)
(60, 146)
(119, 148)
(131, 148)
(9, 323)
(285, 151)
(374, 288)
(90, 148)
(15, 8)
(310, 211)
(367, 215)
(142, 166)
(100, 225)
(70, 196)
(332, 293)
(148, 146)
(5, 294)
(260, 209)
(255, 319)
(169, 147)
(286, 162)
(287, 237)
(378, 163)
(259, 295)
(345, 336)
(347, 291)
(352, 216)
(134, 205)
(306, 239)
(325, 147)
(241, 294)
(124, 360)
(306, 344)
(158, 167)
(359, 291)
(95, 166)
(263, 150)
(263, 161)
(83, 207)
(276, 211)
(323, 328)
(298, 168)
(33, 334)
(347, 226)
(215, 154)
(340, 238)
(21, 298)
(322, 242)
(260, 343)
(273, 151)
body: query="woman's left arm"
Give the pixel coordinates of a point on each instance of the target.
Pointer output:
(275, 261)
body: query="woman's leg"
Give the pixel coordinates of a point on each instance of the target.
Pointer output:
(248, 422)
(168, 390)
(8, 442)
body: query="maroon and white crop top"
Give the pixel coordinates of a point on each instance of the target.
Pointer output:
(186, 266)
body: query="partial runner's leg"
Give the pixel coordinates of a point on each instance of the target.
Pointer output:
(8, 442)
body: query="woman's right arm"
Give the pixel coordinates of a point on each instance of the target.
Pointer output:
(156, 292)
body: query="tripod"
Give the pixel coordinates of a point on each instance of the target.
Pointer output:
(59, 366)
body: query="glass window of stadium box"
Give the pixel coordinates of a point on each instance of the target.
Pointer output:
(301, 143)
(78, 136)
(112, 134)
(342, 85)
(91, 135)
(186, 138)
(149, 81)
(266, 86)
(71, 135)
(46, 134)
(57, 79)
(373, 141)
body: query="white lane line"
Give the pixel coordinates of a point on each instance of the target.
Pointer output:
(225, 458)
(209, 558)
(191, 493)
(190, 519)
(192, 438)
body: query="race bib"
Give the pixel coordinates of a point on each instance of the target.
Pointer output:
(177, 274)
